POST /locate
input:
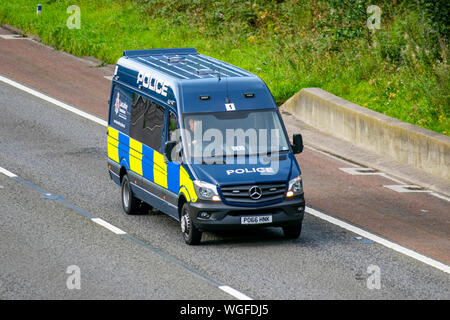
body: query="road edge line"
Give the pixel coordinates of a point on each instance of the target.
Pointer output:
(389, 244)
(396, 247)
(53, 101)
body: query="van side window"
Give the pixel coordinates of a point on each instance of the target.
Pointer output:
(153, 125)
(174, 134)
(147, 121)
(138, 108)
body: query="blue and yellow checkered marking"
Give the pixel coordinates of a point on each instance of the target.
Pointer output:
(124, 149)
(173, 174)
(149, 164)
(113, 145)
(135, 156)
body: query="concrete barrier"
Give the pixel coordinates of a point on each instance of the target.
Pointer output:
(406, 143)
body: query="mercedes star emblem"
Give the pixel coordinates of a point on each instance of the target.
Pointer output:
(255, 192)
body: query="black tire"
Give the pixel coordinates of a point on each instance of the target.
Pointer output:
(131, 205)
(293, 232)
(191, 234)
(145, 208)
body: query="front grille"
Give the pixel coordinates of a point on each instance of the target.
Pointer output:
(240, 193)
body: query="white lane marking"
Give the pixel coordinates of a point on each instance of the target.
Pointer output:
(364, 171)
(332, 156)
(311, 211)
(54, 101)
(99, 221)
(108, 226)
(357, 166)
(405, 188)
(384, 242)
(360, 171)
(234, 293)
(105, 124)
(440, 196)
(108, 78)
(392, 178)
(402, 187)
(13, 37)
(7, 173)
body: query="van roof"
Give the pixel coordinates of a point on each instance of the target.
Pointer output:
(185, 63)
(195, 82)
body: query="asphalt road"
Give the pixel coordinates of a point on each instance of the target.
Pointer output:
(416, 220)
(58, 153)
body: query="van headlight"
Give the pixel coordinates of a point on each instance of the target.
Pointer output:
(206, 191)
(295, 187)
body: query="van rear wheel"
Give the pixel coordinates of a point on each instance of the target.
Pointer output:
(191, 234)
(293, 232)
(130, 204)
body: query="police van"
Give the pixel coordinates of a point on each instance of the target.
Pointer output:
(202, 141)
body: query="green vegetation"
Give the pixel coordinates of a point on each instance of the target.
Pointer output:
(401, 70)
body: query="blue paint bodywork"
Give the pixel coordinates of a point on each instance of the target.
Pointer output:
(187, 76)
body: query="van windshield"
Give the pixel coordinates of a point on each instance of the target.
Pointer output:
(233, 133)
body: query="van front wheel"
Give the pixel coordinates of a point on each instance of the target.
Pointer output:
(191, 234)
(130, 203)
(293, 232)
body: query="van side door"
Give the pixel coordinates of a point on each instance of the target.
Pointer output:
(151, 131)
(173, 167)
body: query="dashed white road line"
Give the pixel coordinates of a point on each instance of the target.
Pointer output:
(392, 178)
(7, 173)
(99, 221)
(231, 291)
(407, 188)
(313, 212)
(402, 186)
(359, 171)
(13, 37)
(234, 293)
(108, 226)
(105, 124)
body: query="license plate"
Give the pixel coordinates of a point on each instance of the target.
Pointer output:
(256, 220)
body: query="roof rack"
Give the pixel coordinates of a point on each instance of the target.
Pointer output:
(175, 59)
(184, 63)
(202, 72)
(151, 52)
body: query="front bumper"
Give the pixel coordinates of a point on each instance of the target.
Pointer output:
(222, 216)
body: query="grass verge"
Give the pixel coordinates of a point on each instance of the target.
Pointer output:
(401, 70)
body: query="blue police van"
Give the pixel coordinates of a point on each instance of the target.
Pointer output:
(202, 141)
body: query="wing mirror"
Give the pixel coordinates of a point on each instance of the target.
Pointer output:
(298, 143)
(168, 148)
